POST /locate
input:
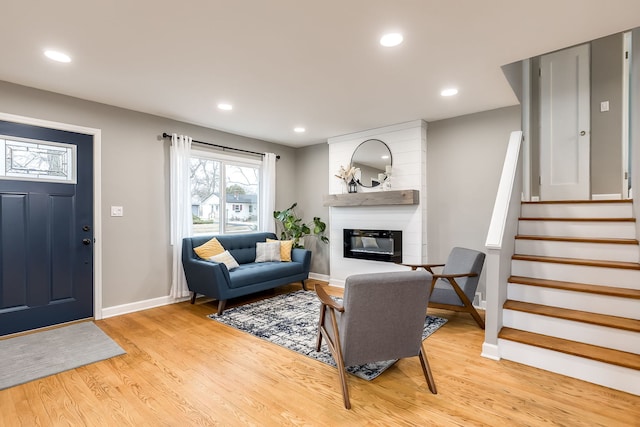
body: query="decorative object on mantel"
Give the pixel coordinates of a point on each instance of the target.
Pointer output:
(386, 185)
(294, 229)
(348, 176)
(373, 198)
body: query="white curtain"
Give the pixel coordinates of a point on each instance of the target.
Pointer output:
(268, 198)
(180, 209)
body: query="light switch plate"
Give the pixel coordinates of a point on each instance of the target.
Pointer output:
(604, 106)
(117, 211)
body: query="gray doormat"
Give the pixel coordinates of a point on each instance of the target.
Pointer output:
(29, 357)
(291, 321)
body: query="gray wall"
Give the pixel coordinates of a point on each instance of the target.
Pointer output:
(136, 247)
(464, 162)
(606, 127)
(312, 182)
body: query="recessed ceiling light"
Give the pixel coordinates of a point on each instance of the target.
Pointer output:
(299, 129)
(225, 106)
(385, 157)
(391, 39)
(449, 92)
(57, 56)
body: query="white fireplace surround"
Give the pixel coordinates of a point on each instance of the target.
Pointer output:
(407, 142)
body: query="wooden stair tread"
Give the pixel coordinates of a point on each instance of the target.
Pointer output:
(616, 241)
(577, 287)
(578, 261)
(569, 219)
(623, 323)
(601, 354)
(566, 202)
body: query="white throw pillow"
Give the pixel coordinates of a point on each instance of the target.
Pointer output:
(227, 259)
(267, 251)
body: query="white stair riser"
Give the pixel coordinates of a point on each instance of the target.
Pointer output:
(599, 251)
(616, 277)
(581, 301)
(612, 376)
(578, 210)
(601, 336)
(589, 229)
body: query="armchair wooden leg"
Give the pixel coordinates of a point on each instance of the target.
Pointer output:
(343, 379)
(304, 286)
(320, 326)
(193, 298)
(221, 305)
(426, 369)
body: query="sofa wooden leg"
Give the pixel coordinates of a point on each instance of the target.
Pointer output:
(221, 304)
(303, 285)
(193, 298)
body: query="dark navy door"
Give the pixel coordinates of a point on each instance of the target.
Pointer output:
(46, 227)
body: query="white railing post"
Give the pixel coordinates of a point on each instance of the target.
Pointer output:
(501, 242)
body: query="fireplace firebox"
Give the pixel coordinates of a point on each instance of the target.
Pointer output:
(376, 245)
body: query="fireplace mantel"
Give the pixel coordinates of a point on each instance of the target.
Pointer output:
(373, 198)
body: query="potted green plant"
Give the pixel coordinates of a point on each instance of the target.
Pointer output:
(294, 229)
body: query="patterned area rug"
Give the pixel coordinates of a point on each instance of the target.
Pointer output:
(291, 321)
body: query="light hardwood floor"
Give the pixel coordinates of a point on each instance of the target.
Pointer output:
(183, 369)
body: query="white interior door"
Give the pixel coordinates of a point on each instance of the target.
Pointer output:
(565, 125)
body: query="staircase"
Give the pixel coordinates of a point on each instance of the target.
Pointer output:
(573, 300)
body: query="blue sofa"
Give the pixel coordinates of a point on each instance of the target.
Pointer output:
(214, 280)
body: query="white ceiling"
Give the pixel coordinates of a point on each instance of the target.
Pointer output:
(286, 63)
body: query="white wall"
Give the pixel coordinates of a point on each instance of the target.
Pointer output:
(464, 161)
(136, 249)
(407, 142)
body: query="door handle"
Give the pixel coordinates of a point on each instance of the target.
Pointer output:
(86, 241)
(582, 133)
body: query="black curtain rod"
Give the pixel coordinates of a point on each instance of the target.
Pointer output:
(168, 135)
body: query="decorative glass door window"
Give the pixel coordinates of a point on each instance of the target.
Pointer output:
(31, 160)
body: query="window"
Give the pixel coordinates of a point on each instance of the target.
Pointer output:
(32, 160)
(224, 193)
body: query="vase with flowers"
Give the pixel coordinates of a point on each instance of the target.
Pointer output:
(348, 176)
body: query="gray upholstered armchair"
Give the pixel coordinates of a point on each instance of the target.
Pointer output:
(455, 287)
(381, 318)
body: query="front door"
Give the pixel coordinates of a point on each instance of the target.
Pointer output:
(46, 227)
(565, 125)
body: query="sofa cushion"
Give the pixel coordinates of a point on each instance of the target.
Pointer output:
(226, 258)
(267, 251)
(209, 249)
(249, 274)
(285, 249)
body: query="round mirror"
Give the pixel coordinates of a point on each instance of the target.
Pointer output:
(372, 158)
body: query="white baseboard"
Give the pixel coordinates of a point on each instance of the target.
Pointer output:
(606, 196)
(132, 307)
(490, 351)
(317, 276)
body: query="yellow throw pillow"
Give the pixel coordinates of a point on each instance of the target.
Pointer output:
(211, 248)
(285, 249)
